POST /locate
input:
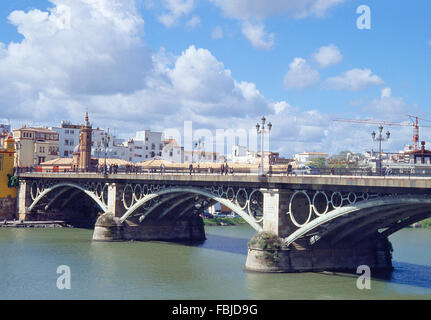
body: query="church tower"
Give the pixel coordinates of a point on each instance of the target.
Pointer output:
(85, 146)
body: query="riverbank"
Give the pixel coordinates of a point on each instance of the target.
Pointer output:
(224, 221)
(423, 224)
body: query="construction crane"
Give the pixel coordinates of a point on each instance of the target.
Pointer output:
(414, 123)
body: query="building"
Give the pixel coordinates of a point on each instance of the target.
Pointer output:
(152, 146)
(7, 192)
(172, 151)
(202, 156)
(35, 145)
(305, 157)
(68, 138)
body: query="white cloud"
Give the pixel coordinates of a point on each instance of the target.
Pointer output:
(327, 56)
(193, 22)
(256, 34)
(387, 107)
(176, 10)
(355, 80)
(300, 75)
(260, 9)
(429, 43)
(386, 93)
(217, 33)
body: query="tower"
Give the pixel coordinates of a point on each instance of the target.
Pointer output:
(85, 146)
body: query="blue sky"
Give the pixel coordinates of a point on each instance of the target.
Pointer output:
(262, 62)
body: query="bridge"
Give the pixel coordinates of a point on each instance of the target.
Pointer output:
(303, 223)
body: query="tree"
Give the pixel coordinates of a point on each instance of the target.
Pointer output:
(318, 162)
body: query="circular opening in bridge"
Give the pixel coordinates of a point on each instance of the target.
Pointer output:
(300, 208)
(33, 190)
(241, 198)
(255, 205)
(138, 192)
(230, 194)
(352, 198)
(99, 190)
(145, 190)
(337, 200)
(320, 203)
(127, 196)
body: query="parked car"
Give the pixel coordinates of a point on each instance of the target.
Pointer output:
(306, 170)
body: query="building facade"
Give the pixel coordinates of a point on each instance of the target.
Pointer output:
(7, 192)
(68, 138)
(35, 145)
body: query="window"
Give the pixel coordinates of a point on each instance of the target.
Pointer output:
(66, 131)
(153, 146)
(66, 153)
(72, 131)
(42, 149)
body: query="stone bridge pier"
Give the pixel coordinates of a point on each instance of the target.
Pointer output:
(119, 223)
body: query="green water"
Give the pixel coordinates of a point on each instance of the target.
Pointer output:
(213, 270)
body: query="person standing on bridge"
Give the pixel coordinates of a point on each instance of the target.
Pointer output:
(191, 168)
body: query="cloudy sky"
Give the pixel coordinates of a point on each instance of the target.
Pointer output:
(222, 64)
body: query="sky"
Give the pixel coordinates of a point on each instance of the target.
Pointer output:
(222, 64)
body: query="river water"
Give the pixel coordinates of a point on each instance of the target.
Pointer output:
(212, 270)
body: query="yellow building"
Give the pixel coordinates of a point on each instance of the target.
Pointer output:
(7, 193)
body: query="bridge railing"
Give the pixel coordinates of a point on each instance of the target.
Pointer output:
(355, 172)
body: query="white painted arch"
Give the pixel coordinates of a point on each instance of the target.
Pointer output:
(196, 191)
(363, 205)
(70, 185)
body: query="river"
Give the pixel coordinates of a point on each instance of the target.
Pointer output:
(212, 270)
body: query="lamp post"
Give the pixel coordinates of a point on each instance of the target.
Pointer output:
(261, 129)
(105, 141)
(198, 145)
(380, 139)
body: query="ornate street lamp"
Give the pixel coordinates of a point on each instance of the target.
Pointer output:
(105, 141)
(380, 139)
(261, 129)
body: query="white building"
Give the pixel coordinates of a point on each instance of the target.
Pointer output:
(68, 138)
(152, 146)
(172, 151)
(305, 157)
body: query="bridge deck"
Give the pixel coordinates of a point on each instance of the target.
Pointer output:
(274, 181)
